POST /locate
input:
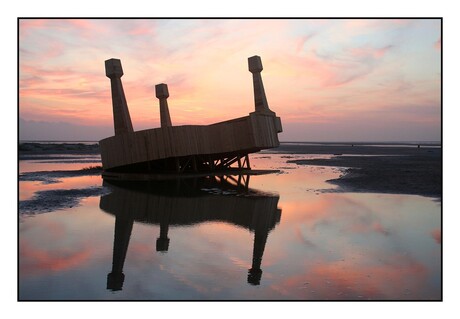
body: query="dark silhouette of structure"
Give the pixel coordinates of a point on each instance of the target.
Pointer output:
(185, 202)
(185, 148)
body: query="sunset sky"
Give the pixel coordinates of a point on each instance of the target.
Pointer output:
(328, 79)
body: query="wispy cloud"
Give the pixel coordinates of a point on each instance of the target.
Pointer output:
(315, 71)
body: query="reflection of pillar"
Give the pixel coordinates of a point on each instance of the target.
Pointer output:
(260, 100)
(123, 228)
(163, 240)
(121, 119)
(255, 273)
(265, 216)
(162, 93)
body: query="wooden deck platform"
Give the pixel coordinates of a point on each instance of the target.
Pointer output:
(186, 148)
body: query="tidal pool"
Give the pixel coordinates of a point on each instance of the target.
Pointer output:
(283, 236)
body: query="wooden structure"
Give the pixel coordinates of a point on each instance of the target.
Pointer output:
(185, 148)
(181, 202)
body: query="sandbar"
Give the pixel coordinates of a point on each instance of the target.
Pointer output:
(407, 169)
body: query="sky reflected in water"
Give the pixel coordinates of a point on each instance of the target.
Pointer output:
(288, 235)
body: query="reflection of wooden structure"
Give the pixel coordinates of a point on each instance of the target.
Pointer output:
(185, 202)
(186, 148)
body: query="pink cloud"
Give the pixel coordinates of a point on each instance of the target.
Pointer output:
(26, 69)
(35, 260)
(26, 26)
(316, 78)
(142, 29)
(368, 25)
(380, 229)
(340, 69)
(80, 23)
(369, 52)
(348, 279)
(436, 234)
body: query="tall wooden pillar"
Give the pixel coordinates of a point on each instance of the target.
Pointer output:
(121, 119)
(260, 100)
(162, 93)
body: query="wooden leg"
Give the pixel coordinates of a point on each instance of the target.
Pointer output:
(248, 165)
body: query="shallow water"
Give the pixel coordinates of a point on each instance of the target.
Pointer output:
(288, 235)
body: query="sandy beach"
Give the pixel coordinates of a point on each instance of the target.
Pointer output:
(378, 169)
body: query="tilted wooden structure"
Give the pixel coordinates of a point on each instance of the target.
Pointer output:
(185, 148)
(182, 202)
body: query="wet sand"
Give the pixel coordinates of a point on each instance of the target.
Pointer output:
(378, 169)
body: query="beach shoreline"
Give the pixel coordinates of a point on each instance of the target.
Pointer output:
(391, 169)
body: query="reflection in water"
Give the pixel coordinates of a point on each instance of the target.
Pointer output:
(185, 202)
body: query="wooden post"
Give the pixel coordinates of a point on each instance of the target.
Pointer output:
(162, 93)
(121, 119)
(260, 100)
(247, 161)
(246, 185)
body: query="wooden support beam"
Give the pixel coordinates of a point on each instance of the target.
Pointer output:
(231, 161)
(246, 186)
(248, 165)
(233, 179)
